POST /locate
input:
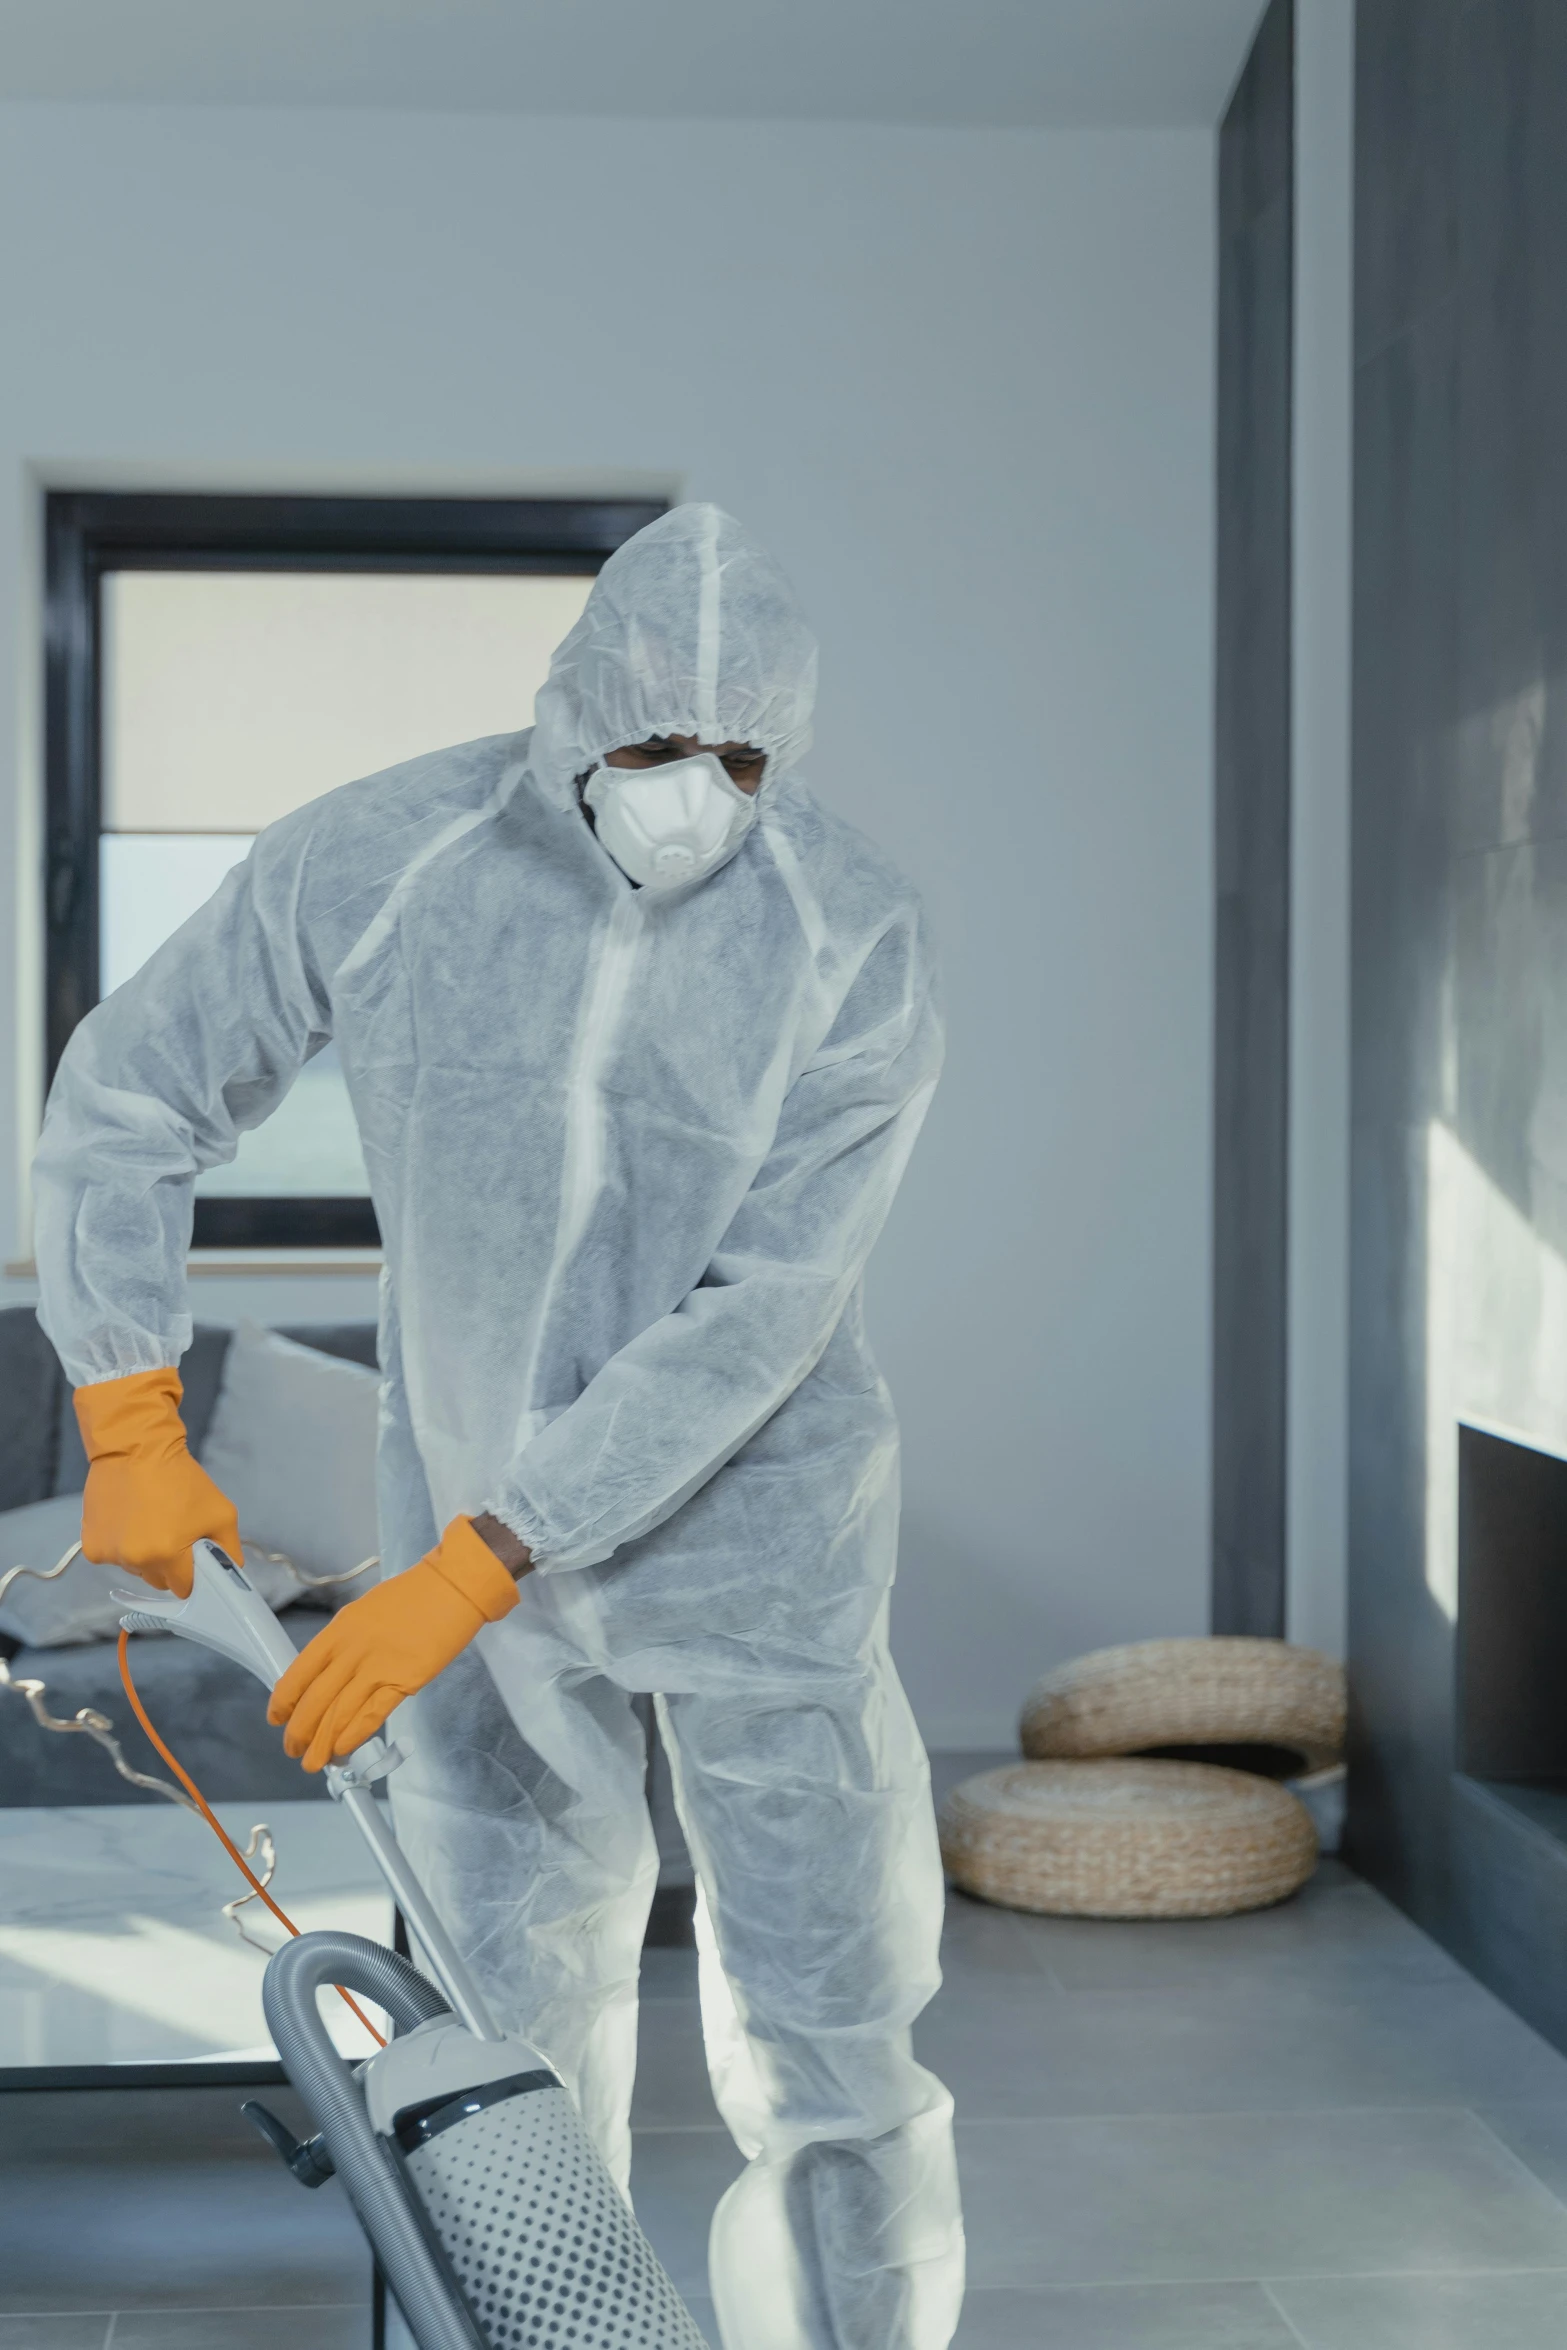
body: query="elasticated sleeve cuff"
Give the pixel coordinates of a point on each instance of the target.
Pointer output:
(546, 1546)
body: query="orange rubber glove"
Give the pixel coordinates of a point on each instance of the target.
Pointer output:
(147, 1501)
(388, 1643)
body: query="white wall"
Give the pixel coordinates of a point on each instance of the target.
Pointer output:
(962, 382)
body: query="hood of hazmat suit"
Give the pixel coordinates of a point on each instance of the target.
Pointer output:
(629, 1151)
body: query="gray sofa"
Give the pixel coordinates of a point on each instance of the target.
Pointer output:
(209, 1710)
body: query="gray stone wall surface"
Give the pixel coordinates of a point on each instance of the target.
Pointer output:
(1459, 1156)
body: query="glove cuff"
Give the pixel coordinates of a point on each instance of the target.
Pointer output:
(129, 1414)
(465, 1560)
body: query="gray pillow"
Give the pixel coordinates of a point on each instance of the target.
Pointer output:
(80, 1604)
(292, 1443)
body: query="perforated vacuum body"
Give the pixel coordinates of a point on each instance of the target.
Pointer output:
(493, 2215)
(540, 2241)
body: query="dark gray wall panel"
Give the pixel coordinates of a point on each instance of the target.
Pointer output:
(1252, 821)
(1405, 537)
(1257, 137)
(1406, 120)
(1512, 66)
(1403, 707)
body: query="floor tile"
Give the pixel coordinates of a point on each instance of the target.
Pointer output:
(245, 2234)
(57, 2332)
(88, 2180)
(668, 1974)
(672, 2088)
(1125, 2317)
(241, 2329)
(1178, 2198)
(1335, 1930)
(677, 2177)
(980, 1942)
(1011, 2052)
(701, 2309)
(1427, 2313)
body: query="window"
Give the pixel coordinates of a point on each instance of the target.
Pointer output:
(214, 662)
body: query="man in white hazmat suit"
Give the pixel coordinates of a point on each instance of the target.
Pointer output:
(638, 1038)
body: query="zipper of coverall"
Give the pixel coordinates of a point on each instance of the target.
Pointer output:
(585, 1117)
(582, 1172)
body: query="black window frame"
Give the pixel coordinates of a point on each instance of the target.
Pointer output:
(88, 533)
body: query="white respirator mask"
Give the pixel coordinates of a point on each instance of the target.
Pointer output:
(671, 824)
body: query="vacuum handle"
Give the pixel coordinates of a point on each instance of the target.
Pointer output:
(224, 1611)
(448, 1967)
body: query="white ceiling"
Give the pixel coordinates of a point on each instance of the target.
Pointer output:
(916, 61)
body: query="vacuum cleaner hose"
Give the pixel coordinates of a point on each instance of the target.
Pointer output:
(410, 1999)
(328, 2087)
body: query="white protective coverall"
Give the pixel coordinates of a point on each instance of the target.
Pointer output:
(629, 1152)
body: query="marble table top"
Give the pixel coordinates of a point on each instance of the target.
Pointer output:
(113, 1944)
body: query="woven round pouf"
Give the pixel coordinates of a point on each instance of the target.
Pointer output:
(1126, 1839)
(1215, 1692)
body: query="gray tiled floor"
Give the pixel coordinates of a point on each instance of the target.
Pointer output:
(1305, 2130)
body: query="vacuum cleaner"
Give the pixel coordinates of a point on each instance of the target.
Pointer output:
(493, 2216)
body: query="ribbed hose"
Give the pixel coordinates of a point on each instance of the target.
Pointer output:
(364, 2162)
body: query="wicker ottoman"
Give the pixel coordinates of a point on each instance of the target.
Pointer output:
(1126, 1839)
(1222, 1692)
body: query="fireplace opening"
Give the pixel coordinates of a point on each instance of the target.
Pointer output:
(1512, 1622)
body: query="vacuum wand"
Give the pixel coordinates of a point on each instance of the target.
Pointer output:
(226, 1613)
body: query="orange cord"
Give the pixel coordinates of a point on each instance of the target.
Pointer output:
(217, 1827)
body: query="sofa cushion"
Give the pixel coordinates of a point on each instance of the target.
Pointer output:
(292, 1442)
(213, 1714)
